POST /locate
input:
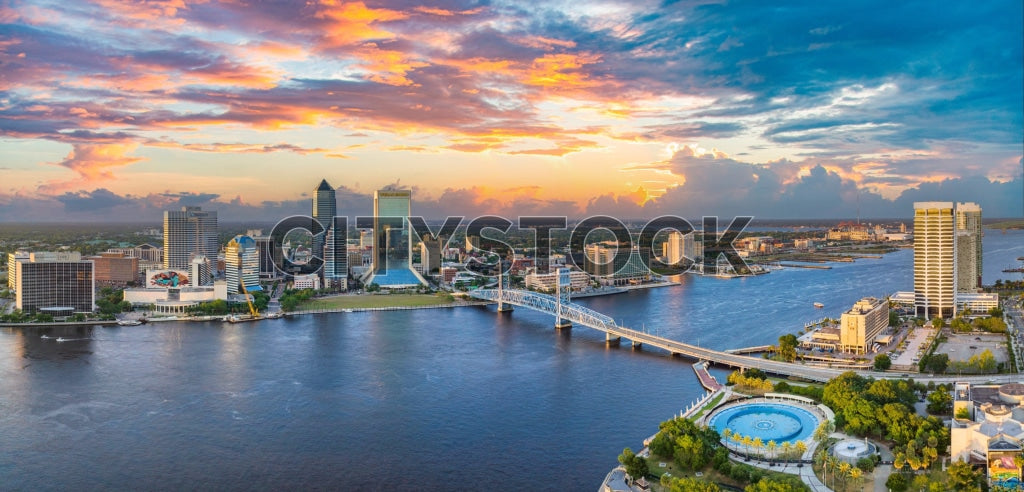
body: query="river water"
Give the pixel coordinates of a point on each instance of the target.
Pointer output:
(458, 399)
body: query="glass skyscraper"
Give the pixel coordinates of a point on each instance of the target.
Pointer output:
(392, 245)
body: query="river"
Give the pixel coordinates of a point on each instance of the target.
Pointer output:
(456, 399)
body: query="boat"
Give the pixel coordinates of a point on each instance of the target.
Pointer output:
(273, 315)
(819, 305)
(346, 310)
(61, 339)
(44, 336)
(128, 322)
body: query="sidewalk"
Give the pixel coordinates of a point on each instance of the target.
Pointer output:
(806, 472)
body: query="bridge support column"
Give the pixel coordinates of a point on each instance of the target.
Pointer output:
(610, 340)
(504, 308)
(637, 344)
(561, 324)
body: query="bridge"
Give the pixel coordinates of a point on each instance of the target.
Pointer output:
(567, 313)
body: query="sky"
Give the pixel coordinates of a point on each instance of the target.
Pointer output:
(116, 111)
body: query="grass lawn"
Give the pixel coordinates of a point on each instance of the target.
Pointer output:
(709, 474)
(375, 301)
(711, 404)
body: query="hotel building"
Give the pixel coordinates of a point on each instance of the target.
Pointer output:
(58, 283)
(189, 231)
(860, 325)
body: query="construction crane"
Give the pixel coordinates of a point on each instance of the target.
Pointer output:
(252, 309)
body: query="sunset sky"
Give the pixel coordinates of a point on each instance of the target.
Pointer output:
(117, 110)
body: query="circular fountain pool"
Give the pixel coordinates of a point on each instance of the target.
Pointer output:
(779, 422)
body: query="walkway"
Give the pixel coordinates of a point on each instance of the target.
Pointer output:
(706, 379)
(805, 472)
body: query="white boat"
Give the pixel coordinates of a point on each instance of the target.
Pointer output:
(346, 310)
(819, 305)
(61, 339)
(44, 336)
(128, 322)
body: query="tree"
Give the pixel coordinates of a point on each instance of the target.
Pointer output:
(897, 482)
(894, 318)
(939, 323)
(774, 485)
(882, 362)
(771, 445)
(787, 347)
(801, 448)
(636, 466)
(962, 476)
(686, 484)
(940, 401)
(787, 447)
(758, 443)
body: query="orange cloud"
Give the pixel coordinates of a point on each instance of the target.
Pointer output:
(93, 162)
(351, 23)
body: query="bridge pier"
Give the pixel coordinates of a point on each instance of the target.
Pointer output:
(637, 344)
(610, 340)
(505, 308)
(562, 325)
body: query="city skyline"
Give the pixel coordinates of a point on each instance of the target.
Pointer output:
(118, 112)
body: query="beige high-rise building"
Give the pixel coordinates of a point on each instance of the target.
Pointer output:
(934, 260)
(969, 235)
(12, 268)
(189, 232)
(860, 325)
(678, 246)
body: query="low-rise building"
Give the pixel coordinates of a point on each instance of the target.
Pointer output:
(310, 281)
(547, 282)
(988, 429)
(862, 323)
(977, 302)
(115, 269)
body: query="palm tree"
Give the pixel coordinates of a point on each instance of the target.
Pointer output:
(855, 474)
(844, 470)
(831, 462)
(725, 434)
(736, 438)
(758, 444)
(820, 459)
(801, 448)
(771, 447)
(747, 442)
(786, 448)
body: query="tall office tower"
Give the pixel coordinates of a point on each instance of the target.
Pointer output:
(430, 256)
(392, 247)
(265, 244)
(12, 268)
(242, 264)
(325, 205)
(968, 247)
(187, 232)
(335, 270)
(59, 284)
(934, 260)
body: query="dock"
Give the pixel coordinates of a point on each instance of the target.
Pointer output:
(805, 265)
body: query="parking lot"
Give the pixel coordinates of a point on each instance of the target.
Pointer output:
(962, 346)
(916, 341)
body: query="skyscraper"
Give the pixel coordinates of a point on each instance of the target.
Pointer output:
(934, 260)
(325, 204)
(392, 247)
(968, 247)
(331, 245)
(242, 264)
(188, 232)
